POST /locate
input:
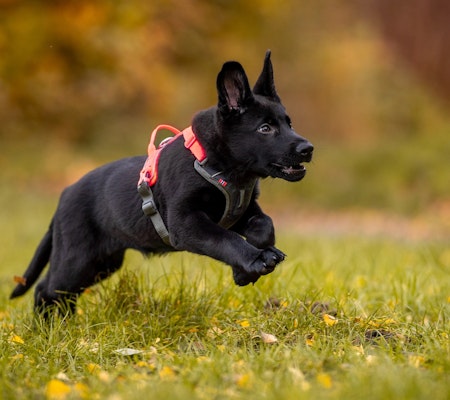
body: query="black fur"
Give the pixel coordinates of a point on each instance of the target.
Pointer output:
(247, 135)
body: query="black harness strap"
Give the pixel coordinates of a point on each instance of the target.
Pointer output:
(149, 209)
(236, 199)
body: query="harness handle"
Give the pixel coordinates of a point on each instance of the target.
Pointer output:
(151, 146)
(148, 173)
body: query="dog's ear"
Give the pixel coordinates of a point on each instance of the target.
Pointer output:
(233, 88)
(265, 85)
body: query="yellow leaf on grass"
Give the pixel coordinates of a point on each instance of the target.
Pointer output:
(244, 323)
(330, 320)
(82, 390)
(93, 368)
(309, 340)
(57, 390)
(19, 356)
(221, 348)
(146, 364)
(243, 381)
(324, 380)
(214, 332)
(358, 350)
(167, 372)
(104, 376)
(16, 339)
(416, 360)
(4, 314)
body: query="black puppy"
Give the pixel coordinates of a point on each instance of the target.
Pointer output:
(203, 204)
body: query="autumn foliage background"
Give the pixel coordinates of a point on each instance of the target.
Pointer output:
(82, 83)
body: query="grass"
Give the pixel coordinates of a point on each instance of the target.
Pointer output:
(344, 317)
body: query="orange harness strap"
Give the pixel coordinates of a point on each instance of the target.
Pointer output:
(149, 172)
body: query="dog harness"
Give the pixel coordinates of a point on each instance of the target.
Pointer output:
(236, 199)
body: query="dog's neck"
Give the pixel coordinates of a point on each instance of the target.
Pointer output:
(220, 157)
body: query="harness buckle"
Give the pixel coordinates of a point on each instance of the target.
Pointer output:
(148, 204)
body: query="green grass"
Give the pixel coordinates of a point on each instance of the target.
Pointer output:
(199, 336)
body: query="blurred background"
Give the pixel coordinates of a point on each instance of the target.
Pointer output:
(84, 82)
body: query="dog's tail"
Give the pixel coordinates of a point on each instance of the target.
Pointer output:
(37, 264)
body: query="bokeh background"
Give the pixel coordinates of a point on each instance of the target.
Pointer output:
(84, 82)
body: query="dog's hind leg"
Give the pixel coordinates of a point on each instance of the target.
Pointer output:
(62, 285)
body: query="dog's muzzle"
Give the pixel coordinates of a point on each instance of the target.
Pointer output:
(291, 168)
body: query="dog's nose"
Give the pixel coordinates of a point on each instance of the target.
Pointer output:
(305, 149)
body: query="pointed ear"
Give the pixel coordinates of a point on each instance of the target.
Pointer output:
(265, 85)
(233, 88)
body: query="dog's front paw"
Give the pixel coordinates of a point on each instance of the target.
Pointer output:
(267, 261)
(242, 278)
(263, 265)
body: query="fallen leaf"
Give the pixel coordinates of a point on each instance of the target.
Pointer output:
(4, 315)
(309, 340)
(61, 376)
(244, 323)
(299, 377)
(221, 348)
(20, 280)
(57, 390)
(167, 372)
(93, 368)
(127, 351)
(416, 360)
(16, 339)
(214, 332)
(330, 320)
(268, 338)
(104, 376)
(204, 359)
(82, 390)
(324, 380)
(19, 356)
(371, 359)
(243, 381)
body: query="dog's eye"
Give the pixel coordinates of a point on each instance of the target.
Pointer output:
(266, 129)
(289, 122)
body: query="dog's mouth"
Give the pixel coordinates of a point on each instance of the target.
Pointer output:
(290, 173)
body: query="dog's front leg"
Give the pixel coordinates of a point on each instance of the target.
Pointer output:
(256, 227)
(198, 234)
(258, 230)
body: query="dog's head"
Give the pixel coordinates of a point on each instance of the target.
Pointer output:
(255, 128)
